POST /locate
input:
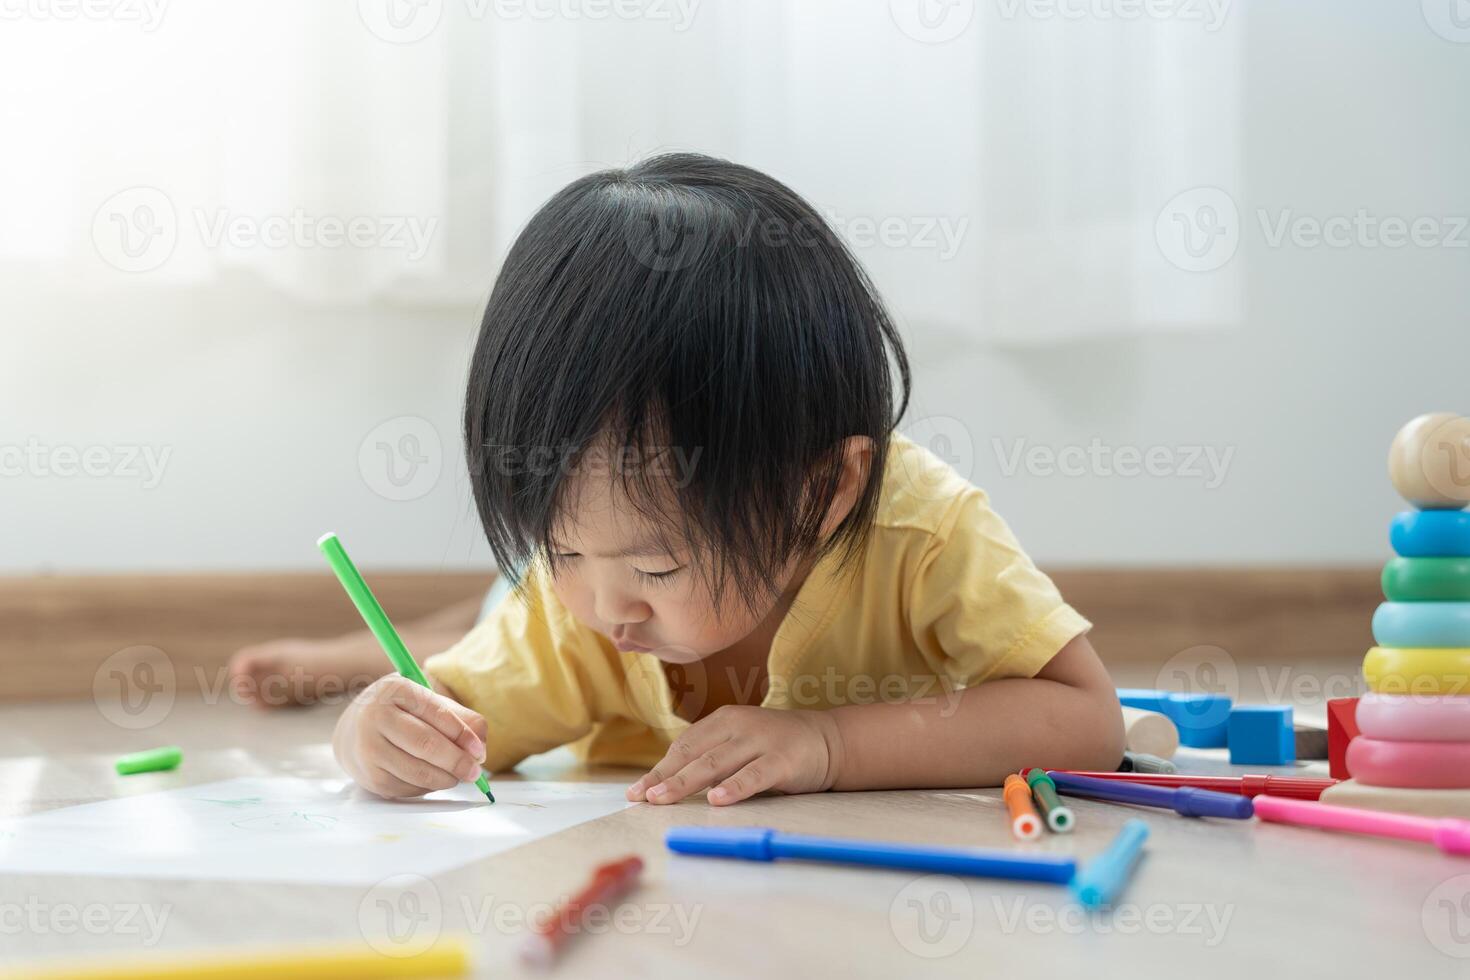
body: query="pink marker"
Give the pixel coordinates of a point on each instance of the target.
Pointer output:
(1448, 834)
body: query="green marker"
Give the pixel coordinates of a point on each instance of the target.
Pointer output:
(150, 760)
(377, 621)
(1058, 816)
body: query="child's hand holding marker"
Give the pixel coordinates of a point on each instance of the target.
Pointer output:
(398, 739)
(739, 751)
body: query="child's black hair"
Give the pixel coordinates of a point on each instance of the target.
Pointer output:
(698, 309)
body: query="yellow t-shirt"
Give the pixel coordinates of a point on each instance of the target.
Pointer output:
(943, 599)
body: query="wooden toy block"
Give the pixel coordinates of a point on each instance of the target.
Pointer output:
(1150, 732)
(1311, 741)
(1261, 735)
(1423, 802)
(1342, 728)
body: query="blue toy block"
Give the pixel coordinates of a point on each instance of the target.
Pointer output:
(1142, 697)
(1203, 720)
(1261, 735)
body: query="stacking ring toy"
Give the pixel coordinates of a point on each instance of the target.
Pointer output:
(1427, 580)
(1410, 765)
(1414, 718)
(1418, 670)
(1430, 533)
(1422, 624)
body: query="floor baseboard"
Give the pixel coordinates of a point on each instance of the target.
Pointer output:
(61, 630)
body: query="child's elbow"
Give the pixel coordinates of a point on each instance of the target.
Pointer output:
(1098, 739)
(1107, 751)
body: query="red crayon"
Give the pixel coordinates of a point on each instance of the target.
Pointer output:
(1291, 787)
(609, 883)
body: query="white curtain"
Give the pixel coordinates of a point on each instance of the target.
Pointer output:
(1002, 174)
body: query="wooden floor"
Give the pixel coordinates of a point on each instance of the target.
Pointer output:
(1211, 898)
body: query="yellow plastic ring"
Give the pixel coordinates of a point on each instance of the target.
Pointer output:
(1418, 670)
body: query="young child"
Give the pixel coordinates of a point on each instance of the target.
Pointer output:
(736, 576)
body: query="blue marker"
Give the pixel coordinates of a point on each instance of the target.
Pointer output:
(1102, 878)
(765, 844)
(1185, 801)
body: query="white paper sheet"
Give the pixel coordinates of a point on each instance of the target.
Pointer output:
(295, 830)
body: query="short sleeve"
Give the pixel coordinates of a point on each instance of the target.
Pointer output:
(978, 607)
(531, 670)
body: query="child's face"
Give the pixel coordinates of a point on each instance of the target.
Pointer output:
(618, 578)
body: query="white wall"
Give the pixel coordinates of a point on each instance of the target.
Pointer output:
(263, 405)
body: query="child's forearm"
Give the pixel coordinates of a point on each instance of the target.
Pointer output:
(1065, 717)
(360, 654)
(459, 617)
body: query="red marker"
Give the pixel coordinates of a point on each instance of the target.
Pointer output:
(609, 883)
(1291, 787)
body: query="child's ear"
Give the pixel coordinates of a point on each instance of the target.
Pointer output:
(857, 464)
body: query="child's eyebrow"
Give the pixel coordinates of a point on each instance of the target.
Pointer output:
(641, 549)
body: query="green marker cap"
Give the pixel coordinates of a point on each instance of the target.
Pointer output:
(150, 760)
(1058, 816)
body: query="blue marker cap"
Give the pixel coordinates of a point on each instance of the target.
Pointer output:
(1101, 879)
(751, 843)
(1191, 801)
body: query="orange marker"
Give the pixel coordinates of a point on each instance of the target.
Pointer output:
(1025, 824)
(609, 883)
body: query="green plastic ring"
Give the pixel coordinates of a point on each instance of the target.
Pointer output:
(1427, 580)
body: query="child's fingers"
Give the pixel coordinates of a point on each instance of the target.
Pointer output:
(475, 727)
(382, 782)
(435, 709)
(755, 777)
(241, 671)
(695, 741)
(422, 741)
(703, 772)
(416, 772)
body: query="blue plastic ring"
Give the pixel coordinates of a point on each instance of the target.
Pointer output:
(1422, 624)
(1431, 533)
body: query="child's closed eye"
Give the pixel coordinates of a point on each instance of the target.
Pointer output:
(657, 577)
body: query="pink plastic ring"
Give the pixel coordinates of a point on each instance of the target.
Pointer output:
(1409, 765)
(1414, 717)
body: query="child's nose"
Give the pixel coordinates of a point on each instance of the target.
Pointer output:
(619, 609)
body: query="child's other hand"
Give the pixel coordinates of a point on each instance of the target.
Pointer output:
(294, 671)
(741, 751)
(398, 739)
